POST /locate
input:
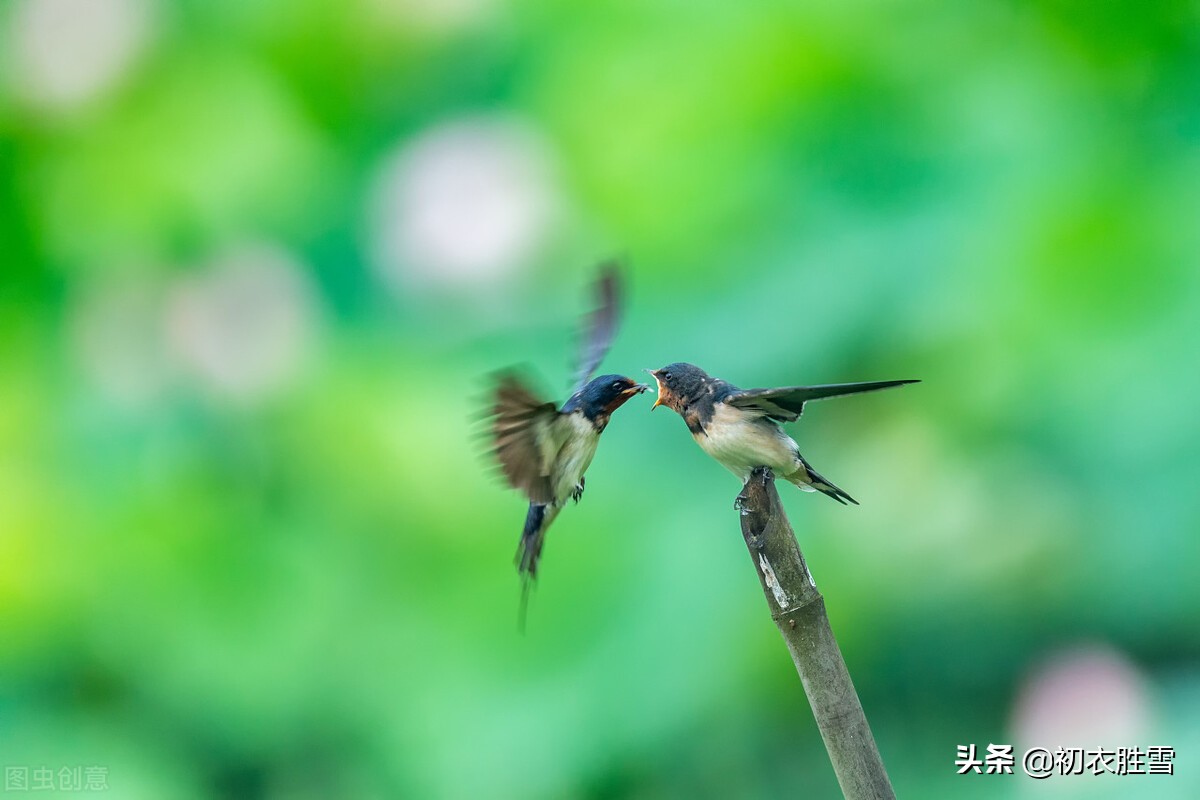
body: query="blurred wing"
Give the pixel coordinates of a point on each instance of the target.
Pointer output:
(523, 431)
(787, 403)
(601, 325)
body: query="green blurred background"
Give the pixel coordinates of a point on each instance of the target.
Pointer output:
(259, 257)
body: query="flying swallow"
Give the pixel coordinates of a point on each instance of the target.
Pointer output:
(544, 449)
(740, 427)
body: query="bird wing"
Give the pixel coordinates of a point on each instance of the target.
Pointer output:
(786, 403)
(601, 325)
(526, 437)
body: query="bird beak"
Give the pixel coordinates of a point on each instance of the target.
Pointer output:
(658, 400)
(625, 395)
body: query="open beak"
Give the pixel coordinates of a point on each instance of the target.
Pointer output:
(658, 400)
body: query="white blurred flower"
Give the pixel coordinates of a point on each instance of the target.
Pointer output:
(463, 203)
(64, 52)
(1089, 696)
(433, 16)
(117, 339)
(245, 326)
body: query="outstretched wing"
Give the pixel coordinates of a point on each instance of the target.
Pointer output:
(786, 404)
(601, 325)
(523, 431)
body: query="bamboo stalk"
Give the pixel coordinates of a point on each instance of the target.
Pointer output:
(799, 612)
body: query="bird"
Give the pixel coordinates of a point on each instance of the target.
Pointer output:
(740, 428)
(544, 449)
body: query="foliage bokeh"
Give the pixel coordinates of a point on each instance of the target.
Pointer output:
(259, 258)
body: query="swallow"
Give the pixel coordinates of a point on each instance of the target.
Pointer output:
(740, 428)
(543, 449)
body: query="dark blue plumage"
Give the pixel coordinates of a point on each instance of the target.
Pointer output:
(545, 450)
(740, 427)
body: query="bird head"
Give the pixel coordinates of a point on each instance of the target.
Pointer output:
(605, 394)
(679, 385)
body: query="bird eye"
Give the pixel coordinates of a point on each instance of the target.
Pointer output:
(616, 385)
(666, 376)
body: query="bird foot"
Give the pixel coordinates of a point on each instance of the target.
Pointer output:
(763, 475)
(578, 491)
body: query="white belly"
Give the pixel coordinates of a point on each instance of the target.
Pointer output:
(742, 442)
(575, 456)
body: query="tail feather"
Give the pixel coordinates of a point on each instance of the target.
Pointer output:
(529, 551)
(819, 482)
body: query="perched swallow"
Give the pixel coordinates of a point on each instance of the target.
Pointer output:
(544, 450)
(740, 427)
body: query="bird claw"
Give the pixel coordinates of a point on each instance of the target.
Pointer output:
(578, 491)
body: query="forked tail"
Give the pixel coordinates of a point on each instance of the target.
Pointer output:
(816, 480)
(530, 547)
(529, 551)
